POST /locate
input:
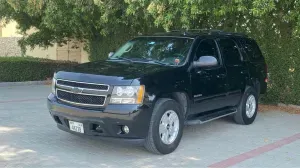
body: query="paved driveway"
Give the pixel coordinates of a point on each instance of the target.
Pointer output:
(29, 138)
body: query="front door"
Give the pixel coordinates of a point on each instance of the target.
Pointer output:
(209, 85)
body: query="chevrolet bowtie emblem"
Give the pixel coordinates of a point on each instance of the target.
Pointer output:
(76, 90)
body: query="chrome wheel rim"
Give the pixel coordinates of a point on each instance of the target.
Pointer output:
(169, 127)
(250, 106)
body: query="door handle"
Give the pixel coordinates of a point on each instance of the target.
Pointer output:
(221, 76)
(204, 74)
(201, 72)
(244, 72)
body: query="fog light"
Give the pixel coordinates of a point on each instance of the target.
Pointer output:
(125, 129)
(98, 128)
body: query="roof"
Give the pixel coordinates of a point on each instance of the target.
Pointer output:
(192, 33)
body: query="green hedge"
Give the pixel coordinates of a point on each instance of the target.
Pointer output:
(17, 69)
(283, 59)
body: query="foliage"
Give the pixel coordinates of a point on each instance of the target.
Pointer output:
(45, 22)
(15, 69)
(237, 15)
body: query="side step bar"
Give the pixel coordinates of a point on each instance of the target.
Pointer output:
(210, 117)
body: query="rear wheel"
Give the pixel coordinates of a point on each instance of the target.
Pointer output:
(166, 127)
(247, 110)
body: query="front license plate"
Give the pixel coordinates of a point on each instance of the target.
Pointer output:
(76, 126)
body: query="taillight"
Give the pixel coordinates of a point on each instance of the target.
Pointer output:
(266, 80)
(267, 73)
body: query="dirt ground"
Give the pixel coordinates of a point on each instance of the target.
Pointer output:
(270, 108)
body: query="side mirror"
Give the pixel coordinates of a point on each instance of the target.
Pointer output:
(110, 54)
(205, 61)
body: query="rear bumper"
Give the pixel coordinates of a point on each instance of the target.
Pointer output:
(111, 119)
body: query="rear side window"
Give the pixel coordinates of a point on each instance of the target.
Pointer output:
(252, 50)
(230, 52)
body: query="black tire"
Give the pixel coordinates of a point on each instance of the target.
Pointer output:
(241, 117)
(153, 142)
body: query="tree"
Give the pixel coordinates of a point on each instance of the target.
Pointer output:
(57, 21)
(92, 20)
(235, 15)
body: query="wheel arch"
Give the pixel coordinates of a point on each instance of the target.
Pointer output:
(180, 97)
(255, 83)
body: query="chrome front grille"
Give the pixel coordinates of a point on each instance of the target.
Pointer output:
(81, 99)
(83, 85)
(81, 93)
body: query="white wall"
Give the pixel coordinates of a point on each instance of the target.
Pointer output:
(49, 53)
(10, 30)
(84, 55)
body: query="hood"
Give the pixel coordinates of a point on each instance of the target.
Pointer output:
(110, 72)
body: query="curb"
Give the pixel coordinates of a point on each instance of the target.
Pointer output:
(27, 83)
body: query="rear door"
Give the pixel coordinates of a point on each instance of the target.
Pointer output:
(237, 72)
(256, 62)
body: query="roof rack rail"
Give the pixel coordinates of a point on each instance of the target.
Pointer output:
(203, 30)
(235, 34)
(215, 31)
(189, 31)
(209, 31)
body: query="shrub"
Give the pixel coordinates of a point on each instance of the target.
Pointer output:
(283, 59)
(16, 69)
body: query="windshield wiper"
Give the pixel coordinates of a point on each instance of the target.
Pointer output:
(141, 60)
(157, 62)
(148, 60)
(122, 58)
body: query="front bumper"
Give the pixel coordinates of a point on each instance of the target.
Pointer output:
(110, 119)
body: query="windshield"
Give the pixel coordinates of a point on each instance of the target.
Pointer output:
(163, 50)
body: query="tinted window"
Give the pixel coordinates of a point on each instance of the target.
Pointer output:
(230, 52)
(251, 49)
(207, 48)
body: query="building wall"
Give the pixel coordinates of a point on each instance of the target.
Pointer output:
(84, 55)
(9, 46)
(49, 53)
(10, 30)
(0, 30)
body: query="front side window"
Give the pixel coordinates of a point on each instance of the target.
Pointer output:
(165, 50)
(207, 48)
(230, 52)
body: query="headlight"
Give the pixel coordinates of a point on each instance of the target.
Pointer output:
(53, 85)
(127, 95)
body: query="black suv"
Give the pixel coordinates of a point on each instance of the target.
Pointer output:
(154, 85)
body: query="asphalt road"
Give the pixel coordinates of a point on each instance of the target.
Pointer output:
(29, 138)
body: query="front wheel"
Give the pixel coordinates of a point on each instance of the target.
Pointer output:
(166, 127)
(247, 109)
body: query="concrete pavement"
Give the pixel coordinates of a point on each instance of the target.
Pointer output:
(29, 138)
